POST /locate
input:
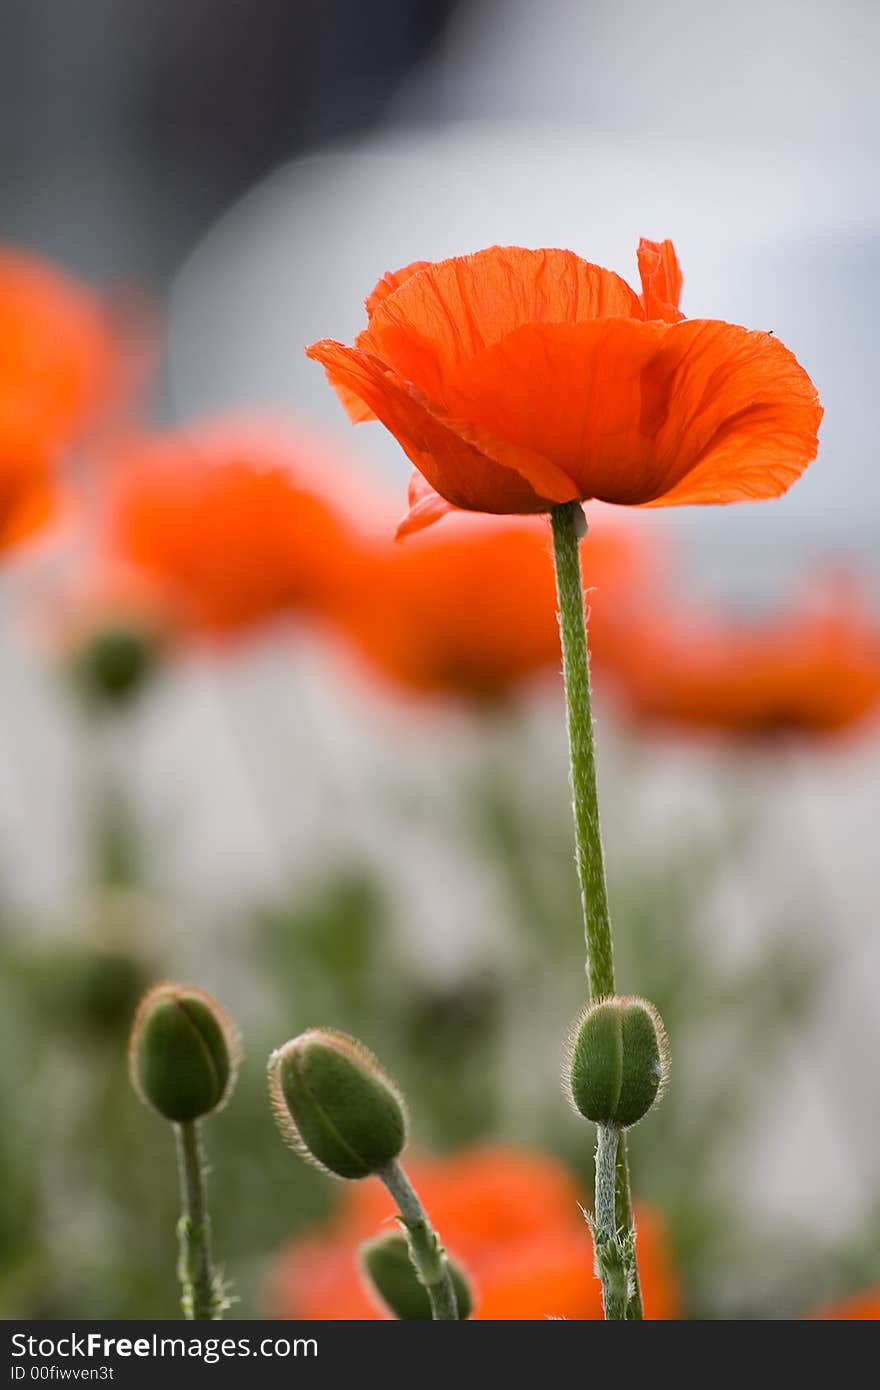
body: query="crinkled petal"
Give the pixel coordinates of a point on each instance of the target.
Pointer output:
(572, 392)
(640, 413)
(662, 280)
(391, 281)
(741, 414)
(356, 409)
(449, 312)
(517, 379)
(464, 463)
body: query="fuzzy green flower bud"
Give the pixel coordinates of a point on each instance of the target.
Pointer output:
(617, 1061)
(183, 1052)
(389, 1268)
(335, 1105)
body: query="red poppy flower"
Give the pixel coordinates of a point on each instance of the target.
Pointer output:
(509, 1216)
(56, 354)
(469, 610)
(809, 671)
(515, 380)
(227, 520)
(863, 1308)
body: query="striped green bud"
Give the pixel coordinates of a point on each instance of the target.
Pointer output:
(183, 1052)
(617, 1061)
(335, 1105)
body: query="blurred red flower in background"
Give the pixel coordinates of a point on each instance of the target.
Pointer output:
(509, 1216)
(517, 379)
(57, 355)
(811, 670)
(470, 609)
(227, 522)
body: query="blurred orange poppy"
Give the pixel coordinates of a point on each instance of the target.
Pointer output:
(515, 380)
(56, 360)
(809, 671)
(469, 610)
(226, 521)
(509, 1216)
(863, 1308)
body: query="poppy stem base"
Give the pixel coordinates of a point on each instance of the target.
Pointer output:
(568, 525)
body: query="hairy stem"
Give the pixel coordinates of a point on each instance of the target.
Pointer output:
(425, 1250)
(611, 1254)
(568, 522)
(606, 1174)
(201, 1296)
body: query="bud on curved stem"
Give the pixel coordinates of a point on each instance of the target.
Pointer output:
(337, 1107)
(183, 1059)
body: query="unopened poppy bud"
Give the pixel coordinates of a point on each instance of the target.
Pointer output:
(335, 1105)
(115, 663)
(183, 1053)
(617, 1061)
(389, 1267)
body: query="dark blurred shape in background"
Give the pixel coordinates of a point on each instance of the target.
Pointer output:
(126, 129)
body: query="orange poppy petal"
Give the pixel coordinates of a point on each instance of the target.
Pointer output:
(548, 1275)
(391, 281)
(449, 312)
(27, 509)
(469, 467)
(573, 393)
(358, 412)
(425, 507)
(56, 352)
(803, 672)
(640, 412)
(662, 280)
(269, 543)
(355, 408)
(735, 414)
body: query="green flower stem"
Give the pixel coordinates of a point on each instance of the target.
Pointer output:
(568, 522)
(201, 1293)
(606, 1180)
(425, 1250)
(611, 1253)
